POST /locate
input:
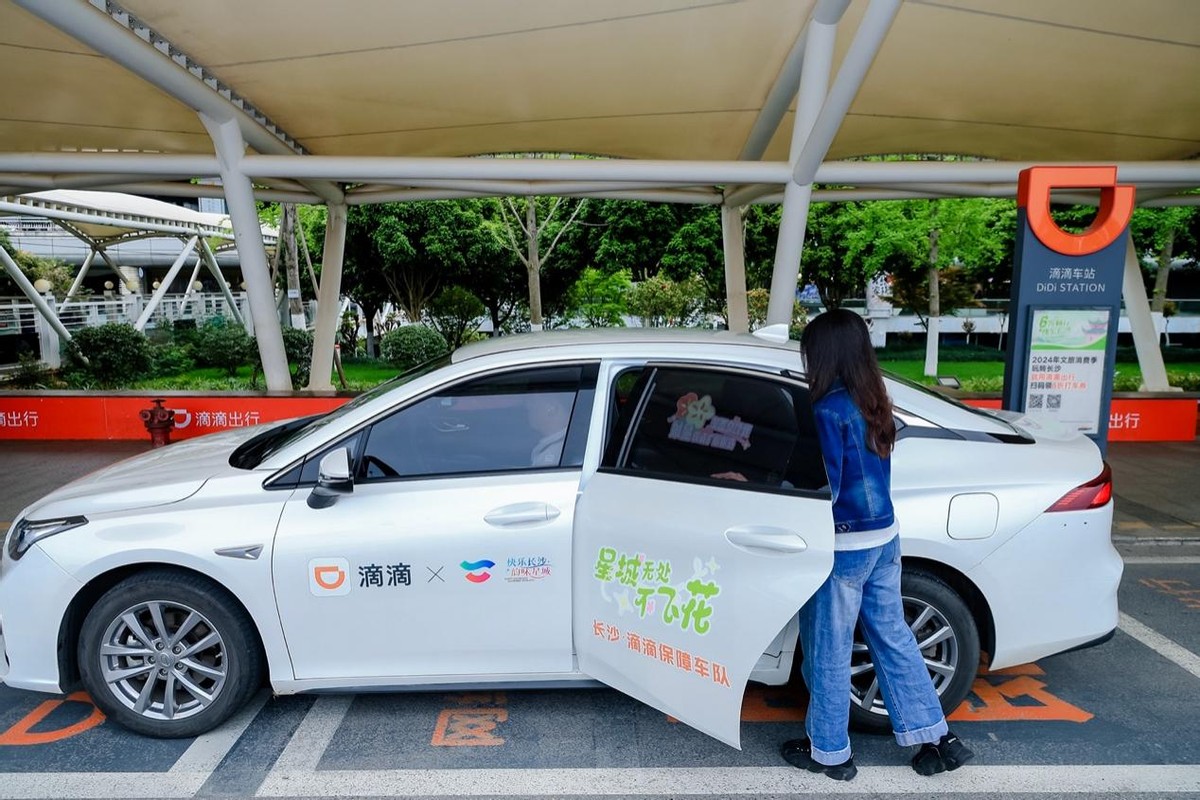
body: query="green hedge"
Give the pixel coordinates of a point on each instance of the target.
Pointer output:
(411, 345)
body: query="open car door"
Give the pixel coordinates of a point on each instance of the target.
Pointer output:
(707, 526)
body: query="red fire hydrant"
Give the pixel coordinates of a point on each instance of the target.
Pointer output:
(159, 421)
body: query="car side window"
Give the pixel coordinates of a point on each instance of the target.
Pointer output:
(707, 426)
(519, 420)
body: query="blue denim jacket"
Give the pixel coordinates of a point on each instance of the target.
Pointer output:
(860, 480)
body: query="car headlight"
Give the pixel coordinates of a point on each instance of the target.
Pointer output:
(30, 531)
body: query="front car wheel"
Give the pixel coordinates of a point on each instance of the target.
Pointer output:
(169, 654)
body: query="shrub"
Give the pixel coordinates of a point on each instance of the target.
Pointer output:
(29, 374)
(116, 353)
(1188, 381)
(170, 359)
(226, 345)
(298, 345)
(411, 345)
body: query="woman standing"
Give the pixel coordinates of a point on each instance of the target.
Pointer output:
(857, 433)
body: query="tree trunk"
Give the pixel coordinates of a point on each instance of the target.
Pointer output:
(1163, 274)
(369, 313)
(933, 328)
(535, 265)
(291, 261)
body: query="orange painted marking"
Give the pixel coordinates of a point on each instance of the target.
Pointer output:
(477, 699)
(469, 727)
(20, 734)
(772, 705)
(1019, 669)
(994, 705)
(1180, 590)
(1116, 206)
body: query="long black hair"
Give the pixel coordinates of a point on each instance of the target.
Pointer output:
(837, 345)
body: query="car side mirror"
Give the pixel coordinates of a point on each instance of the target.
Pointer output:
(333, 479)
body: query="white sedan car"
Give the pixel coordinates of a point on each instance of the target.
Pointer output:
(541, 510)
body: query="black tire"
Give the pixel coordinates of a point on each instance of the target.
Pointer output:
(226, 669)
(960, 650)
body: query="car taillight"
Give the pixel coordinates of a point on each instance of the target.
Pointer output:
(1093, 494)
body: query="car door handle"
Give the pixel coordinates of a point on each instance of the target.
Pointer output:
(521, 514)
(780, 540)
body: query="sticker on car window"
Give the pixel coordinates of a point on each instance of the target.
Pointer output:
(696, 421)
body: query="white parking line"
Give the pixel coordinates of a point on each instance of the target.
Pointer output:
(312, 738)
(204, 754)
(184, 779)
(1160, 644)
(54, 785)
(1162, 559)
(1112, 779)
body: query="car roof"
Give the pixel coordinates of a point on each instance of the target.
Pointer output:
(602, 336)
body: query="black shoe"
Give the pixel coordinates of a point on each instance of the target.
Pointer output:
(798, 753)
(947, 755)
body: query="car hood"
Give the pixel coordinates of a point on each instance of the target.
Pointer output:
(162, 476)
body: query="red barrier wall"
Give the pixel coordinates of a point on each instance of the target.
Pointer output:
(116, 417)
(90, 416)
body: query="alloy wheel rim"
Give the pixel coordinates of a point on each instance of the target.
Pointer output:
(163, 660)
(939, 647)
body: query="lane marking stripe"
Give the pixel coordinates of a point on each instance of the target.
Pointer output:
(730, 781)
(316, 731)
(1162, 559)
(1160, 644)
(105, 785)
(206, 753)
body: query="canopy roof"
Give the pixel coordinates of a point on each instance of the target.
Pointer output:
(109, 216)
(1104, 80)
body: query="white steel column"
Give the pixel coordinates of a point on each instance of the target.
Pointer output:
(83, 271)
(876, 22)
(27, 289)
(165, 284)
(734, 241)
(814, 82)
(210, 261)
(247, 231)
(328, 305)
(1141, 324)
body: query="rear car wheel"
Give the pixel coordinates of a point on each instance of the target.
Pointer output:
(949, 641)
(169, 654)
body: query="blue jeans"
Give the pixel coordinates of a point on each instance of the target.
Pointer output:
(864, 587)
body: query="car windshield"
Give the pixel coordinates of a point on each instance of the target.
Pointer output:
(982, 412)
(252, 453)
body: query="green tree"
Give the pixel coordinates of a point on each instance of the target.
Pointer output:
(1166, 234)
(421, 245)
(598, 300)
(757, 302)
(455, 312)
(59, 274)
(532, 228)
(491, 271)
(363, 280)
(697, 250)
(661, 302)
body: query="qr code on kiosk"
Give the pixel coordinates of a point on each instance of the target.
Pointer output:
(1054, 401)
(1035, 400)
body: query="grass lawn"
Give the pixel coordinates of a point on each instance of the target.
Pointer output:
(359, 375)
(982, 375)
